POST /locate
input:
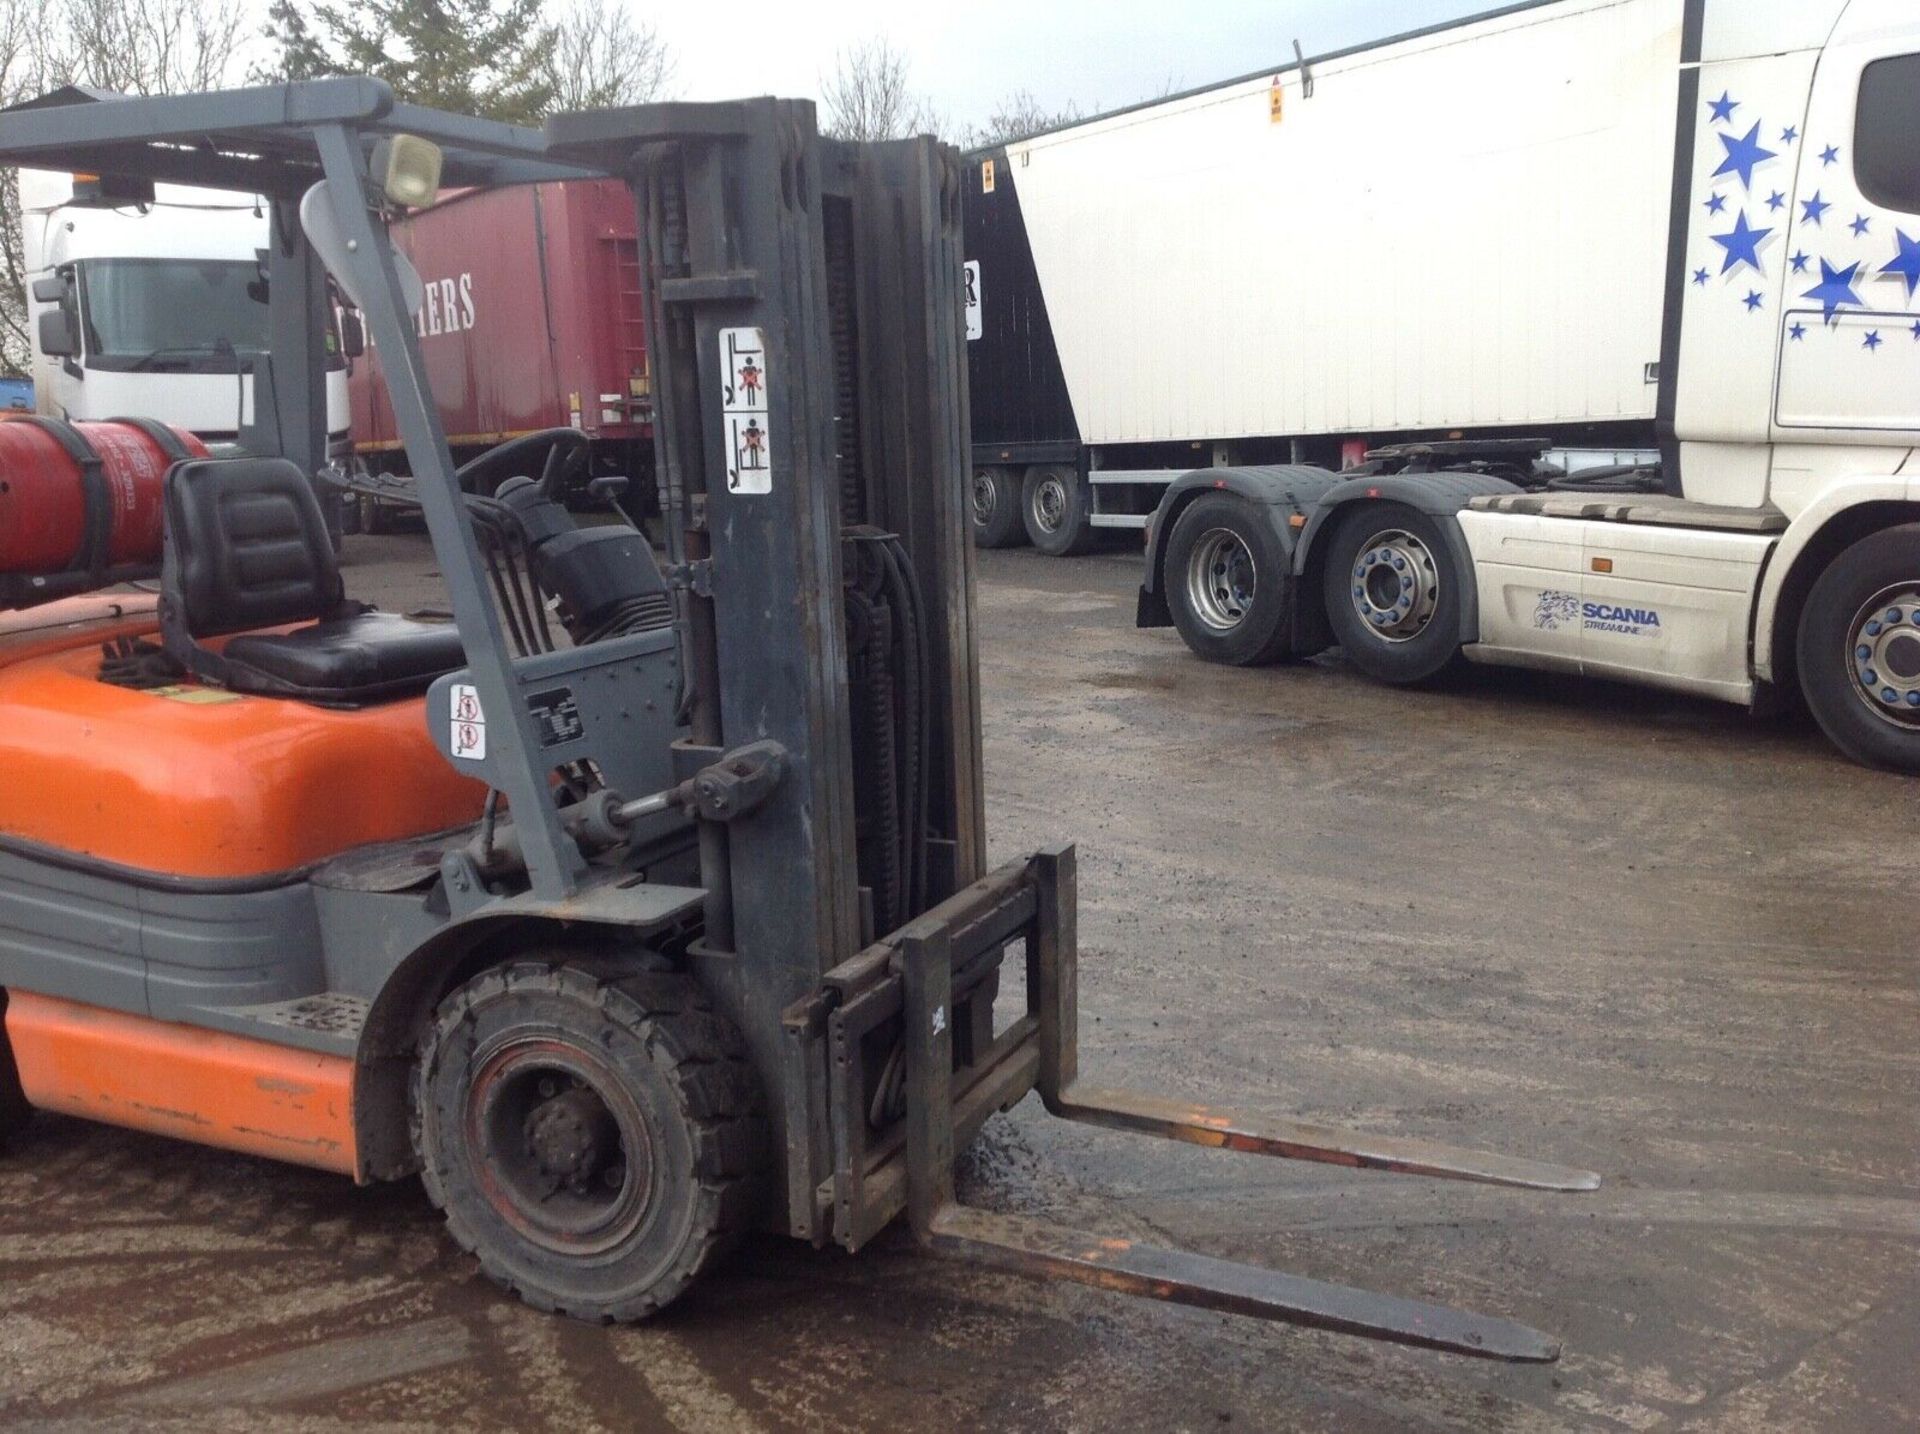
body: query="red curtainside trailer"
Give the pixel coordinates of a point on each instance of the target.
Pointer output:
(532, 319)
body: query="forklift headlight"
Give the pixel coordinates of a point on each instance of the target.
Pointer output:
(408, 168)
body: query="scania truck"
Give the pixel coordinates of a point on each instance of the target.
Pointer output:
(1329, 332)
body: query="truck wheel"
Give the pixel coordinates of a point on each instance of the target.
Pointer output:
(592, 1134)
(1226, 582)
(373, 514)
(996, 509)
(1392, 595)
(1859, 650)
(1057, 509)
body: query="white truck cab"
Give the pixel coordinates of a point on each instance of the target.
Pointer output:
(149, 309)
(1779, 547)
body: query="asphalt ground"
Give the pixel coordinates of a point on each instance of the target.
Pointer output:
(1639, 933)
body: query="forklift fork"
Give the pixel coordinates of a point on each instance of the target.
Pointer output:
(923, 956)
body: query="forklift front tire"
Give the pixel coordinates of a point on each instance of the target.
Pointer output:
(592, 1131)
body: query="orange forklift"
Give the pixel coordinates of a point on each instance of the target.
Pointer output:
(643, 904)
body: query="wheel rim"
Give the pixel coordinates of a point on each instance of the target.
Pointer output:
(1883, 654)
(1050, 503)
(986, 498)
(559, 1147)
(1395, 585)
(1221, 579)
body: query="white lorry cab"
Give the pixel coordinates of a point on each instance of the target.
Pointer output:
(1682, 231)
(151, 304)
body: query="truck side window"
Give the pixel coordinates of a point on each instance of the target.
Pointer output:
(1886, 134)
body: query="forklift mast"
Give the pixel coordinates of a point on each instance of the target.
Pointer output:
(805, 321)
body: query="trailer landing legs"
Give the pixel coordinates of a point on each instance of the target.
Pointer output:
(924, 962)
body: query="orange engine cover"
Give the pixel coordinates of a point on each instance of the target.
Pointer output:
(199, 783)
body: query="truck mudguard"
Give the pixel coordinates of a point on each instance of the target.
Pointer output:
(1438, 495)
(1283, 492)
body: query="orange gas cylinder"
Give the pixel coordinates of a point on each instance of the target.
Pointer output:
(43, 490)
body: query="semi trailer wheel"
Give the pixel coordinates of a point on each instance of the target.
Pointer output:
(1226, 582)
(996, 509)
(1392, 594)
(1859, 650)
(1057, 508)
(593, 1133)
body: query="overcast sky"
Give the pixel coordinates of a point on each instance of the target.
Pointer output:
(1093, 53)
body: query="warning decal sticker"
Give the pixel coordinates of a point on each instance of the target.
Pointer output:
(743, 400)
(468, 740)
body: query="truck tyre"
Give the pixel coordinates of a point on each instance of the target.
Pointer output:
(1859, 650)
(1057, 508)
(1393, 597)
(996, 509)
(1226, 582)
(593, 1133)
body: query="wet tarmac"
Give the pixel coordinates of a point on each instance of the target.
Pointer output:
(1638, 933)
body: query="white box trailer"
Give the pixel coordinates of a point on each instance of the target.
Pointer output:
(1678, 230)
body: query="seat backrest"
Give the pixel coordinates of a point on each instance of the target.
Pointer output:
(247, 546)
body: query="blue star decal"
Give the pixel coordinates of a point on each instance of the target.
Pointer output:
(1789, 135)
(1916, 332)
(1716, 203)
(1700, 276)
(1723, 107)
(1743, 244)
(1871, 341)
(1797, 332)
(1743, 155)
(1776, 200)
(1907, 262)
(1753, 300)
(1835, 289)
(1829, 155)
(1799, 262)
(1812, 209)
(1861, 224)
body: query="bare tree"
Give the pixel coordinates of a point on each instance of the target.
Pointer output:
(868, 95)
(602, 56)
(140, 47)
(19, 79)
(1018, 116)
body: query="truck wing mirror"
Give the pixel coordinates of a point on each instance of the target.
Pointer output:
(50, 290)
(57, 338)
(353, 334)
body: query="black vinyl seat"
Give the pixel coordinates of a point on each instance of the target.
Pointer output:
(247, 547)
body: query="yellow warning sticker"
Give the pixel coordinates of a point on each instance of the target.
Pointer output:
(1276, 101)
(986, 176)
(198, 696)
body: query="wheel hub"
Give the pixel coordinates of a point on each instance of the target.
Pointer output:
(1221, 579)
(1050, 504)
(561, 1150)
(1396, 586)
(986, 497)
(1884, 654)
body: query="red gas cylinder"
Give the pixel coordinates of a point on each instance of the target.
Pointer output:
(43, 504)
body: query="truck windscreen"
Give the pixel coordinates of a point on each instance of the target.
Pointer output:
(171, 315)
